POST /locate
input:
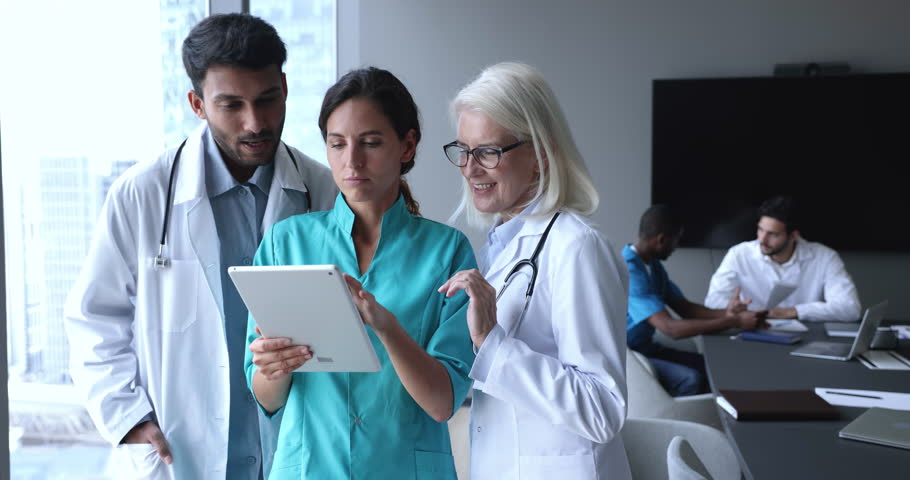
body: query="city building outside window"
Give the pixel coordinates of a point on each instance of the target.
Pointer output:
(88, 90)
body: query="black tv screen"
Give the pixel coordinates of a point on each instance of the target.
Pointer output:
(839, 145)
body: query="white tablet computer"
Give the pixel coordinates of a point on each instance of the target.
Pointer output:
(311, 305)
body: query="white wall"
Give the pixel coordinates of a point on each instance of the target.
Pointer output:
(600, 58)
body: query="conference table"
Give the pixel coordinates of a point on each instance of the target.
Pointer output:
(801, 449)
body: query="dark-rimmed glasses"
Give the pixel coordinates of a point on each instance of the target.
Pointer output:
(487, 157)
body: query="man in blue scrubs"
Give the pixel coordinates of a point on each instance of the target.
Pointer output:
(650, 293)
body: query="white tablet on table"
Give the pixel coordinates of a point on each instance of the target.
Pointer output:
(311, 305)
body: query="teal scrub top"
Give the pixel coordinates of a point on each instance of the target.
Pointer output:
(366, 425)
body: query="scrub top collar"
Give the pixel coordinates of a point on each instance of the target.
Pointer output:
(396, 217)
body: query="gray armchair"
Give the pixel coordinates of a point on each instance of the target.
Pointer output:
(648, 399)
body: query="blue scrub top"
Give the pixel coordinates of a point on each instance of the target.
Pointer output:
(366, 425)
(648, 294)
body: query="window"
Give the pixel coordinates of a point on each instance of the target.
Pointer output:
(308, 29)
(84, 95)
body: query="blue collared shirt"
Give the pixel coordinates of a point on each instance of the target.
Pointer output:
(650, 289)
(500, 236)
(238, 210)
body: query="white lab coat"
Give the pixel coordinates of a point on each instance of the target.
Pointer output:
(144, 341)
(550, 402)
(824, 289)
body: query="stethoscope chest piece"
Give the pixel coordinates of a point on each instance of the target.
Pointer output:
(161, 262)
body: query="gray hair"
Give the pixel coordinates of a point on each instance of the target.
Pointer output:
(517, 97)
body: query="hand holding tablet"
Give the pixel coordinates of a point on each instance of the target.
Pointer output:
(310, 305)
(277, 356)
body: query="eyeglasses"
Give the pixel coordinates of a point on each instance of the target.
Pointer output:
(487, 157)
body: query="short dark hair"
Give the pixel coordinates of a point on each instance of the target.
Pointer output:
(659, 219)
(782, 208)
(235, 39)
(390, 96)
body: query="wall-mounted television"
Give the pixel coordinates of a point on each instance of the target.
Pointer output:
(840, 145)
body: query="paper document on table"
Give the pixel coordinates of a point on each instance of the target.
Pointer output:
(787, 325)
(864, 398)
(883, 360)
(902, 331)
(779, 292)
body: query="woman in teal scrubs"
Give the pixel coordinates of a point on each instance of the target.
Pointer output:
(390, 424)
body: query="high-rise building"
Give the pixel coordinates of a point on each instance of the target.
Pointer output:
(52, 202)
(117, 169)
(68, 206)
(308, 30)
(177, 19)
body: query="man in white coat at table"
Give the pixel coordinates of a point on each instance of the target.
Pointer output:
(549, 395)
(156, 329)
(824, 289)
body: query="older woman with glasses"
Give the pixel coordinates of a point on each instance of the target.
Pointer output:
(547, 310)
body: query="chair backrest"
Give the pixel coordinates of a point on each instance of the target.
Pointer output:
(459, 435)
(649, 438)
(683, 463)
(647, 397)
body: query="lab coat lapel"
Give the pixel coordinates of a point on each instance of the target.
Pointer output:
(190, 193)
(287, 195)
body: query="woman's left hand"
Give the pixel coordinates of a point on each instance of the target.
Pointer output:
(481, 308)
(373, 314)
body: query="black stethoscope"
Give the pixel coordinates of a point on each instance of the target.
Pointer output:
(531, 262)
(161, 262)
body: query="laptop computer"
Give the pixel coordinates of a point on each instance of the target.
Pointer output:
(882, 426)
(841, 329)
(845, 351)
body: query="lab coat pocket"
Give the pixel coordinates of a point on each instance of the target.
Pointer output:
(139, 460)
(179, 283)
(548, 467)
(434, 465)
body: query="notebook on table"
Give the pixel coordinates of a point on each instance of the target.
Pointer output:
(775, 405)
(881, 426)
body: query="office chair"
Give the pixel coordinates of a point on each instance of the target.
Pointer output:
(461, 440)
(648, 399)
(683, 463)
(711, 456)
